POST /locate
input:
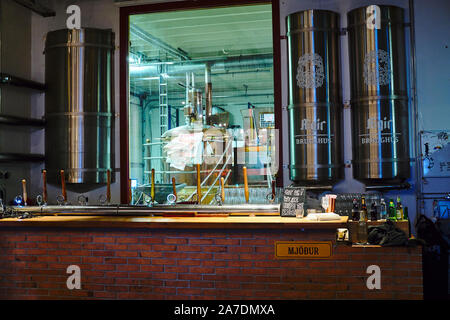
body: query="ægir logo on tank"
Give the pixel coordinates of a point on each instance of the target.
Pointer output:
(310, 71)
(377, 68)
(378, 124)
(315, 125)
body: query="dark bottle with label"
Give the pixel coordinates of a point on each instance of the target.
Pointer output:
(355, 210)
(363, 211)
(406, 217)
(362, 223)
(373, 212)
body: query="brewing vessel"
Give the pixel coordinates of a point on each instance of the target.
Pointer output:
(379, 100)
(79, 108)
(315, 109)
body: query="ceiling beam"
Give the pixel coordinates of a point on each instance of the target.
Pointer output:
(36, 6)
(143, 35)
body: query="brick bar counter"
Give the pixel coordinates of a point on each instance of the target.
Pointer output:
(193, 258)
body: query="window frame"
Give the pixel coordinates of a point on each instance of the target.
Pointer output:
(126, 12)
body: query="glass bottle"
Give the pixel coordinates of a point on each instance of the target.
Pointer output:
(373, 212)
(399, 209)
(355, 210)
(362, 223)
(392, 213)
(383, 211)
(363, 211)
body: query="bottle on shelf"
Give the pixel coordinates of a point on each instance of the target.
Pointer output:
(392, 211)
(399, 209)
(383, 211)
(362, 223)
(355, 210)
(363, 211)
(373, 212)
(406, 217)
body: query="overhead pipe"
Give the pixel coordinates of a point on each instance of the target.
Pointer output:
(261, 61)
(208, 93)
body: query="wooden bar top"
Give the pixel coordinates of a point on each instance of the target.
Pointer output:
(230, 222)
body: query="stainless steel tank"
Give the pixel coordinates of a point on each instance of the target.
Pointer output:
(315, 107)
(379, 99)
(79, 108)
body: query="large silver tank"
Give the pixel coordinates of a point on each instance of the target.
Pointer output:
(379, 101)
(79, 106)
(315, 107)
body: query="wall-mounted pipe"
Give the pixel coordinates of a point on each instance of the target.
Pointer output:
(389, 187)
(208, 93)
(19, 121)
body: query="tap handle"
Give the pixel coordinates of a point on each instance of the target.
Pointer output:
(274, 189)
(222, 189)
(174, 188)
(63, 186)
(246, 184)
(108, 186)
(152, 190)
(130, 196)
(24, 192)
(199, 186)
(44, 186)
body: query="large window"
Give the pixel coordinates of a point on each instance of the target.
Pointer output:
(201, 104)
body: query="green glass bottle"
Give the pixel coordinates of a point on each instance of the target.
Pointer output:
(392, 211)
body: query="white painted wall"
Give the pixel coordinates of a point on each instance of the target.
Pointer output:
(15, 59)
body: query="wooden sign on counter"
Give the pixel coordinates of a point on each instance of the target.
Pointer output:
(303, 249)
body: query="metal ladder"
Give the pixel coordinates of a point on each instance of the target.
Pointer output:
(163, 109)
(163, 99)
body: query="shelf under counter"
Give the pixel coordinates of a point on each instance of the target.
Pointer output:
(230, 222)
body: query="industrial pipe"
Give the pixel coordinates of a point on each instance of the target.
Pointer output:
(208, 93)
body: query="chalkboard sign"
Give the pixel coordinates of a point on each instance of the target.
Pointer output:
(293, 199)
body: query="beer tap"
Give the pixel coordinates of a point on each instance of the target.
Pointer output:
(106, 200)
(246, 185)
(24, 192)
(174, 188)
(108, 186)
(220, 195)
(199, 186)
(2, 199)
(172, 197)
(271, 196)
(152, 187)
(44, 186)
(246, 192)
(222, 189)
(82, 200)
(62, 199)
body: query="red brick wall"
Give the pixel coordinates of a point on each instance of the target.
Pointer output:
(195, 264)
